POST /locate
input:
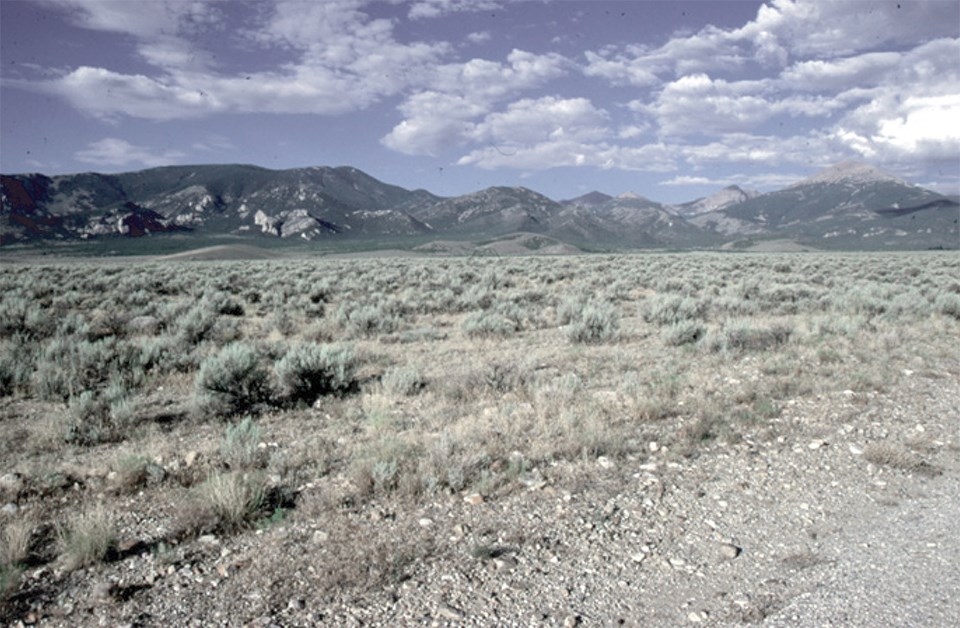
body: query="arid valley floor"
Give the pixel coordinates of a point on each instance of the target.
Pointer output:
(649, 439)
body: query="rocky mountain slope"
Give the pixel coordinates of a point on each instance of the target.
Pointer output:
(850, 202)
(727, 197)
(850, 205)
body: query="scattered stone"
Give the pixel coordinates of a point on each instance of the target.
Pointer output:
(638, 557)
(653, 446)
(474, 499)
(533, 480)
(504, 563)
(695, 618)
(155, 474)
(208, 539)
(102, 593)
(127, 545)
(320, 537)
(446, 611)
(856, 450)
(191, 458)
(605, 463)
(425, 522)
(729, 551)
(9, 509)
(817, 444)
(571, 621)
(296, 604)
(11, 484)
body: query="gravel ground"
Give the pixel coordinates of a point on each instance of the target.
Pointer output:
(791, 525)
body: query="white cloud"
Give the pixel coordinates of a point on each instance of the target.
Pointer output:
(436, 8)
(166, 31)
(769, 180)
(433, 122)
(214, 143)
(557, 152)
(479, 37)
(916, 126)
(445, 115)
(809, 28)
(782, 30)
(111, 152)
(531, 121)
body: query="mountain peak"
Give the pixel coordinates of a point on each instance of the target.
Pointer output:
(590, 199)
(850, 172)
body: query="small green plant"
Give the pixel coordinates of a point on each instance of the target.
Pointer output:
(100, 417)
(402, 380)
(683, 333)
(742, 335)
(231, 383)
(488, 324)
(670, 309)
(948, 304)
(131, 472)
(240, 445)
(597, 322)
(310, 371)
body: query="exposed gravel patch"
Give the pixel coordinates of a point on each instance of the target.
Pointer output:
(786, 527)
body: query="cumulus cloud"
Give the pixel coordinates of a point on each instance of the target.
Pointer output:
(783, 31)
(166, 31)
(436, 8)
(842, 78)
(112, 152)
(530, 121)
(768, 180)
(447, 114)
(344, 60)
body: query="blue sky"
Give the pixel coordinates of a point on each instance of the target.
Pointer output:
(671, 100)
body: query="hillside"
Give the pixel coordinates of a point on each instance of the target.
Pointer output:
(850, 205)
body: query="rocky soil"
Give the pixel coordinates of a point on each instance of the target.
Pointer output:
(844, 510)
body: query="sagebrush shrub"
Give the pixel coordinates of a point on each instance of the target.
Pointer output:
(310, 371)
(741, 336)
(486, 324)
(240, 445)
(232, 382)
(597, 322)
(670, 309)
(948, 304)
(402, 380)
(683, 333)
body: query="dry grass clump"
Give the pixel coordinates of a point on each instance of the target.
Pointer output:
(894, 456)
(225, 502)
(436, 376)
(86, 538)
(15, 539)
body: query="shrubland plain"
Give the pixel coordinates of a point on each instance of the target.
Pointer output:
(590, 439)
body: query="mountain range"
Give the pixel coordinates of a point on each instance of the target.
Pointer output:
(850, 205)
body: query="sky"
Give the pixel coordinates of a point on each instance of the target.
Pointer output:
(670, 100)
